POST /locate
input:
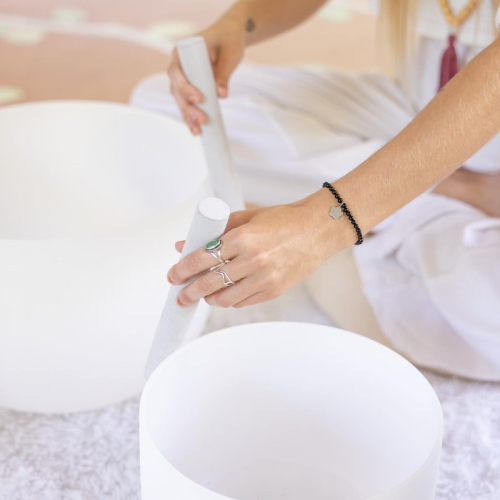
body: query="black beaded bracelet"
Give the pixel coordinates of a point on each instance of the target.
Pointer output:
(336, 212)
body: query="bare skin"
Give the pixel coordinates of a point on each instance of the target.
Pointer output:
(245, 23)
(482, 191)
(272, 249)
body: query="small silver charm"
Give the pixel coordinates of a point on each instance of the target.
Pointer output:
(336, 212)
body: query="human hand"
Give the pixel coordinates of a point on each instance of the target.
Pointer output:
(270, 249)
(225, 42)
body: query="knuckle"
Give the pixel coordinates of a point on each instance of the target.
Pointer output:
(261, 259)
(243, 241)
(193, 264)
(273, 279)
(223, 301)
(205, 284)
(209, 299)
(174, 274)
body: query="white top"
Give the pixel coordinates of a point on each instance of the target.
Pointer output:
(473, 36)
(478, 29)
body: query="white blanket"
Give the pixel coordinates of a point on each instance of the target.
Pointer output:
(95, 455)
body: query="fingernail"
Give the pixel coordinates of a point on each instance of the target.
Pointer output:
(179, 302)
(193, 99)
(222, 91)
(169, 279)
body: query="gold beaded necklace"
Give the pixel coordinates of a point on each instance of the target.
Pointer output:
(449, 63)
(458, 19)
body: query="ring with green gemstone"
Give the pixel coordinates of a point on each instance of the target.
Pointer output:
(213, 248)
(213, 245)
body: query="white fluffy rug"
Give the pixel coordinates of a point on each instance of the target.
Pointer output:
(95, 455)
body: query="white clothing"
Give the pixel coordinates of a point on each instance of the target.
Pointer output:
(291, 129)
(433, 280)
(432, 31)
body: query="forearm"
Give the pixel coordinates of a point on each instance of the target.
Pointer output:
(453, 126)
(264, 19)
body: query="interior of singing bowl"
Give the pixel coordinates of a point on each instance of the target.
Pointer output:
(290, 410)
(80, 168)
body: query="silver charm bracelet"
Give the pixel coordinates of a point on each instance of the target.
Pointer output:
(341, 209)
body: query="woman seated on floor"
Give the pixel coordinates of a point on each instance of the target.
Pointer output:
(430, 266)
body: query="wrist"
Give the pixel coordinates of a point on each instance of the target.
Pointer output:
(332, 234)
(238, 22)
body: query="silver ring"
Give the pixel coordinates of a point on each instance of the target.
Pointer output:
(225, 278)
(213, 248)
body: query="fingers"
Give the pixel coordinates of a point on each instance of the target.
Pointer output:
(209, 283)
(186, 95)
(222, 71)
(199, 261)
(228, 297)
(236, 219)
(179, 245)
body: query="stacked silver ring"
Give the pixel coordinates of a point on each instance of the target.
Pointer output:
(213, 248)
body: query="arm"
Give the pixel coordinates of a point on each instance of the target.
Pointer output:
(269, 17)
(245, 23)
(274, 248)
(463, 117)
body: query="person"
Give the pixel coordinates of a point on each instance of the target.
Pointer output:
(416, 170)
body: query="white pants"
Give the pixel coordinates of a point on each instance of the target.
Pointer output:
(432, 273)
(291, 129)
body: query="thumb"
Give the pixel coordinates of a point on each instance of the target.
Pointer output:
(237, 219)
(222, 71)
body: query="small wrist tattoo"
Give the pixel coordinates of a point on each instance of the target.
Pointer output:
(250, 25)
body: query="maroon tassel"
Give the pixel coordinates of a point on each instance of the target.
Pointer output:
(449, 63)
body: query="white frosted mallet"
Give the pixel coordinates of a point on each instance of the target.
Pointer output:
(209, 223)
(195, 63)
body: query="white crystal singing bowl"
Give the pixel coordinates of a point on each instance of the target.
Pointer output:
(288, 410)
(92, 198)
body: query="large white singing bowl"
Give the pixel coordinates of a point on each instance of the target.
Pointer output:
(92, 198)
(293, 411)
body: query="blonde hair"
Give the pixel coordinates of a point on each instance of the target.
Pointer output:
(396, 34)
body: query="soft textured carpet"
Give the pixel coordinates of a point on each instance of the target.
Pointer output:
(95, 455)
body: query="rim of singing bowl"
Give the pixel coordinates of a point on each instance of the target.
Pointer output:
(115, 114)
(231, 331)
